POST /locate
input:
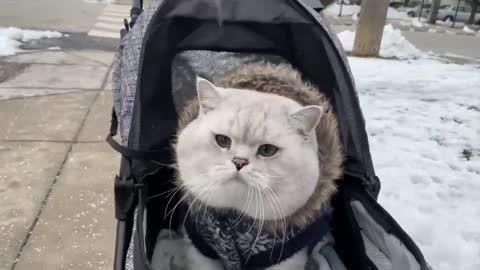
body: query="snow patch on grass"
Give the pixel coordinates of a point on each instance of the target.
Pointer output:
(394, 44)
(423, 122)
(467, 29)
(11, 38)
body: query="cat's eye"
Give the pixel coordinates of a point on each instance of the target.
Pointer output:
(223, 141)
(267, 150)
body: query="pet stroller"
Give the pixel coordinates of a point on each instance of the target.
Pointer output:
(163, 49)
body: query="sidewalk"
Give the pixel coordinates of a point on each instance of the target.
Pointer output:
(56, 171)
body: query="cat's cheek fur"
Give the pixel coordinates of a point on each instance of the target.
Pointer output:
(294, 190)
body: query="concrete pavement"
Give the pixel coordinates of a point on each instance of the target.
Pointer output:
(56, 171)
(63, 16)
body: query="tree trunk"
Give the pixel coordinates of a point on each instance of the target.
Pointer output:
(471, 19)
(368, 38)
(432, 18)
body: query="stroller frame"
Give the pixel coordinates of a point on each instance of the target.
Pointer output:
(363, 185)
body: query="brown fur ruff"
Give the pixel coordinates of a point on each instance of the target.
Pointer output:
(283, 80)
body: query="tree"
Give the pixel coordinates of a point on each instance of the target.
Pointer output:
(373, 15)
(474, 5)
(432, 18)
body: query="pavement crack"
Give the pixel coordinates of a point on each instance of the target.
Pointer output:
(59, 172)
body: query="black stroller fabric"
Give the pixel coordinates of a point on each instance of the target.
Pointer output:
(171, 43)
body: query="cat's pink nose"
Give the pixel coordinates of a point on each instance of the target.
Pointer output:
(240, 163)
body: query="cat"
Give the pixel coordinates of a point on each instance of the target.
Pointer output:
(261, 146)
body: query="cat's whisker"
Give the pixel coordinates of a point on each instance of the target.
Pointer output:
(244, 207)
(189, 192)
(284, 222)
(168, 192)
(257, 208)
(211, 188)
(266, 174)
(249, 199)
(192, 204)
(255, 218)
(262, 218)
(171, 198)
(175, 207)
(172, 166)
(275, 219)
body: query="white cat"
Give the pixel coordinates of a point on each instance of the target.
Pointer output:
(257, 152)
(243, 139)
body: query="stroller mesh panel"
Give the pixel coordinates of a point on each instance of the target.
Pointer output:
(188, 65)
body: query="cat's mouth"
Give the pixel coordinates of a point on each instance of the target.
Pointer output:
(237, 178)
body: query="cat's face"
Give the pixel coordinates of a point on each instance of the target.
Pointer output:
(250, 151)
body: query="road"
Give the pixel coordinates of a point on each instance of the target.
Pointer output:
(439, 43)
(468, 46)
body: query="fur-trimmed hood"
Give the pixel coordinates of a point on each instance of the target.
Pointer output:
(285, 81)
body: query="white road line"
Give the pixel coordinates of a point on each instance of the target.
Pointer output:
(110, 22)
(109, 26)
(119, 15)
(118, 8)
(106, 34)
(110, 19)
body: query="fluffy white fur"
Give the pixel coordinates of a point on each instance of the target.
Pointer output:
(268, 188)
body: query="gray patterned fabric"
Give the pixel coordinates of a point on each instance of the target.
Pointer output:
(125, 70)
(235, 238)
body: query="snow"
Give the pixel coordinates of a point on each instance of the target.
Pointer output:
(423, 122)
(393, 45)
(11, 38)
(415, 22)
(467, 29)
(397, 15)
(349, 10)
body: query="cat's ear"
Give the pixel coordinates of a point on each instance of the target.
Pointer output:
(208, 96)
(306, 119)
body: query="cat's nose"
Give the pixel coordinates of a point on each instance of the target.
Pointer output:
(240, 163)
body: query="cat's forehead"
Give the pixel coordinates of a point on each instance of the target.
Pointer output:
(249, 115)
(245, 98)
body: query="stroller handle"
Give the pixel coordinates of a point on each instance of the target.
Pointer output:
(137, 6)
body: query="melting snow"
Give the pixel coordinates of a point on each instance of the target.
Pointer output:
(394, 44)
(467, 29)
(423, 121)
(11, 38)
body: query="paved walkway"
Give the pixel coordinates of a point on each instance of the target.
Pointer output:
(56, 171)
(110, 22)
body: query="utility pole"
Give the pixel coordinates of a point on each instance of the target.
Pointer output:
(373, 15)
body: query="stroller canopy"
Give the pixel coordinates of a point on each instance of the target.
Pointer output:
(283, 28)
(171, 43)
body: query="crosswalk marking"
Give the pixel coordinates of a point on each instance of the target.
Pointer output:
(114, 14)
(110, 22)
(109, 19)
(103, 33)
